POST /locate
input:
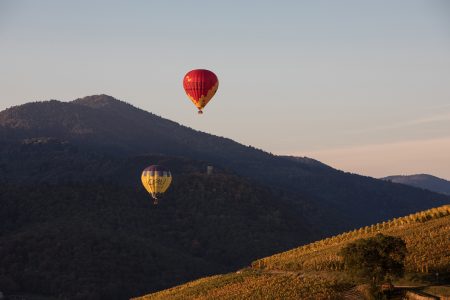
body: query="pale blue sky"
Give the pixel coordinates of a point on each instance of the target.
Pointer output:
(317, 78)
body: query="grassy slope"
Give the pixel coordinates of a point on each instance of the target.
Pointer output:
(312, 271)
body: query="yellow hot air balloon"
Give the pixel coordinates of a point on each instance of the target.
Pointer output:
(156, 180)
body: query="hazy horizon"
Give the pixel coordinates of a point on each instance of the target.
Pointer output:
(360, 85)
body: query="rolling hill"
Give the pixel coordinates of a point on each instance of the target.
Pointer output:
(75, 222)
(312, 271)
(423, 181)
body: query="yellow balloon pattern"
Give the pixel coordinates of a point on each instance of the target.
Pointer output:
(156, 182)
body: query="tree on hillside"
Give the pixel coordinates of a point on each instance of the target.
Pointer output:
(376, 258)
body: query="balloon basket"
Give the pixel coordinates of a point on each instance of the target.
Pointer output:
(200, 112)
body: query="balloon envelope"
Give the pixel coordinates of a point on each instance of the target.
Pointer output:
(156, 180)
(200, 86)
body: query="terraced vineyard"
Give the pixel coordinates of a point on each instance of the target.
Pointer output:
(312, 271)
(251, 284)
(426, 233)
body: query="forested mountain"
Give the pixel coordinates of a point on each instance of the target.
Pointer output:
(423, 181)
(75, 221)
(106, 125)
(79, 225)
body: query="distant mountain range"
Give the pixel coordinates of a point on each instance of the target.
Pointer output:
(76, 223)
(423, 181)
(103, 124)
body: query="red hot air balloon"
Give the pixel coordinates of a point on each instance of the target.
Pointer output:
(200, 86)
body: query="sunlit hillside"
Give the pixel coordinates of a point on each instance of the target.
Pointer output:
(426, 233)
(312, 271)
